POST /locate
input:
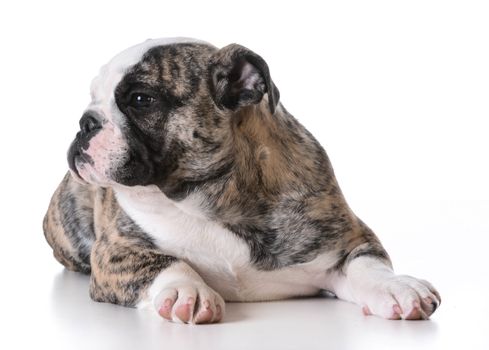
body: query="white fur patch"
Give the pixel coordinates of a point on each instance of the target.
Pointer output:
(215, 253)
(372, 284)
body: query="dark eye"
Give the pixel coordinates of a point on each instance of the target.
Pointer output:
(139, 100)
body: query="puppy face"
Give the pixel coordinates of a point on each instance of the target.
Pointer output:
(161, 113)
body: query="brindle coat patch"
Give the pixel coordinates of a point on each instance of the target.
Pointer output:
(122, 260)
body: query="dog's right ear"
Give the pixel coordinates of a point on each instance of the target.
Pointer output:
(239, 77)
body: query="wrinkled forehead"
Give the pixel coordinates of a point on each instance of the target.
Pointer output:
(104, 84)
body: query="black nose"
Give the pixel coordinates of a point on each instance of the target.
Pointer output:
(90, 122)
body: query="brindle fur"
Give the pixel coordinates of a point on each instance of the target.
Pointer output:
(69, 224)
(122, 260)
(259, 172)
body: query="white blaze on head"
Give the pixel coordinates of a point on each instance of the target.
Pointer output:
(103, 86)
(109, 146)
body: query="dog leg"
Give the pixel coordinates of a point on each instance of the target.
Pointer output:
(128, 269)
(370, 282)
(68, 224)
(131, 275)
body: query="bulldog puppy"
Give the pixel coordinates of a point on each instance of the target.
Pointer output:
(190, 184)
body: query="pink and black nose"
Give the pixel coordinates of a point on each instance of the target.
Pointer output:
(90, 123)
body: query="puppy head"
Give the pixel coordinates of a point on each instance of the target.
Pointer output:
(161, 113)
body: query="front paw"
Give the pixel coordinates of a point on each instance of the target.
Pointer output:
(401, 296)
(189, 302)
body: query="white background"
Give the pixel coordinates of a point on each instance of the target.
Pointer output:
(397, 93)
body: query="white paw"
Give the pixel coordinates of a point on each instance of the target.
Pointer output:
(400, 296)
(189, 302)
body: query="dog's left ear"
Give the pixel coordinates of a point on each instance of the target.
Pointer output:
(239, 77)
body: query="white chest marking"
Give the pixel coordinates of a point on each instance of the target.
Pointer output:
(217, 254)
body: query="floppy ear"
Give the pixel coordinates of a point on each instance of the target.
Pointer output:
(239, 77)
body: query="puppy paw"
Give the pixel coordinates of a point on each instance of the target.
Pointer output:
(401, 297)
(190, 303)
